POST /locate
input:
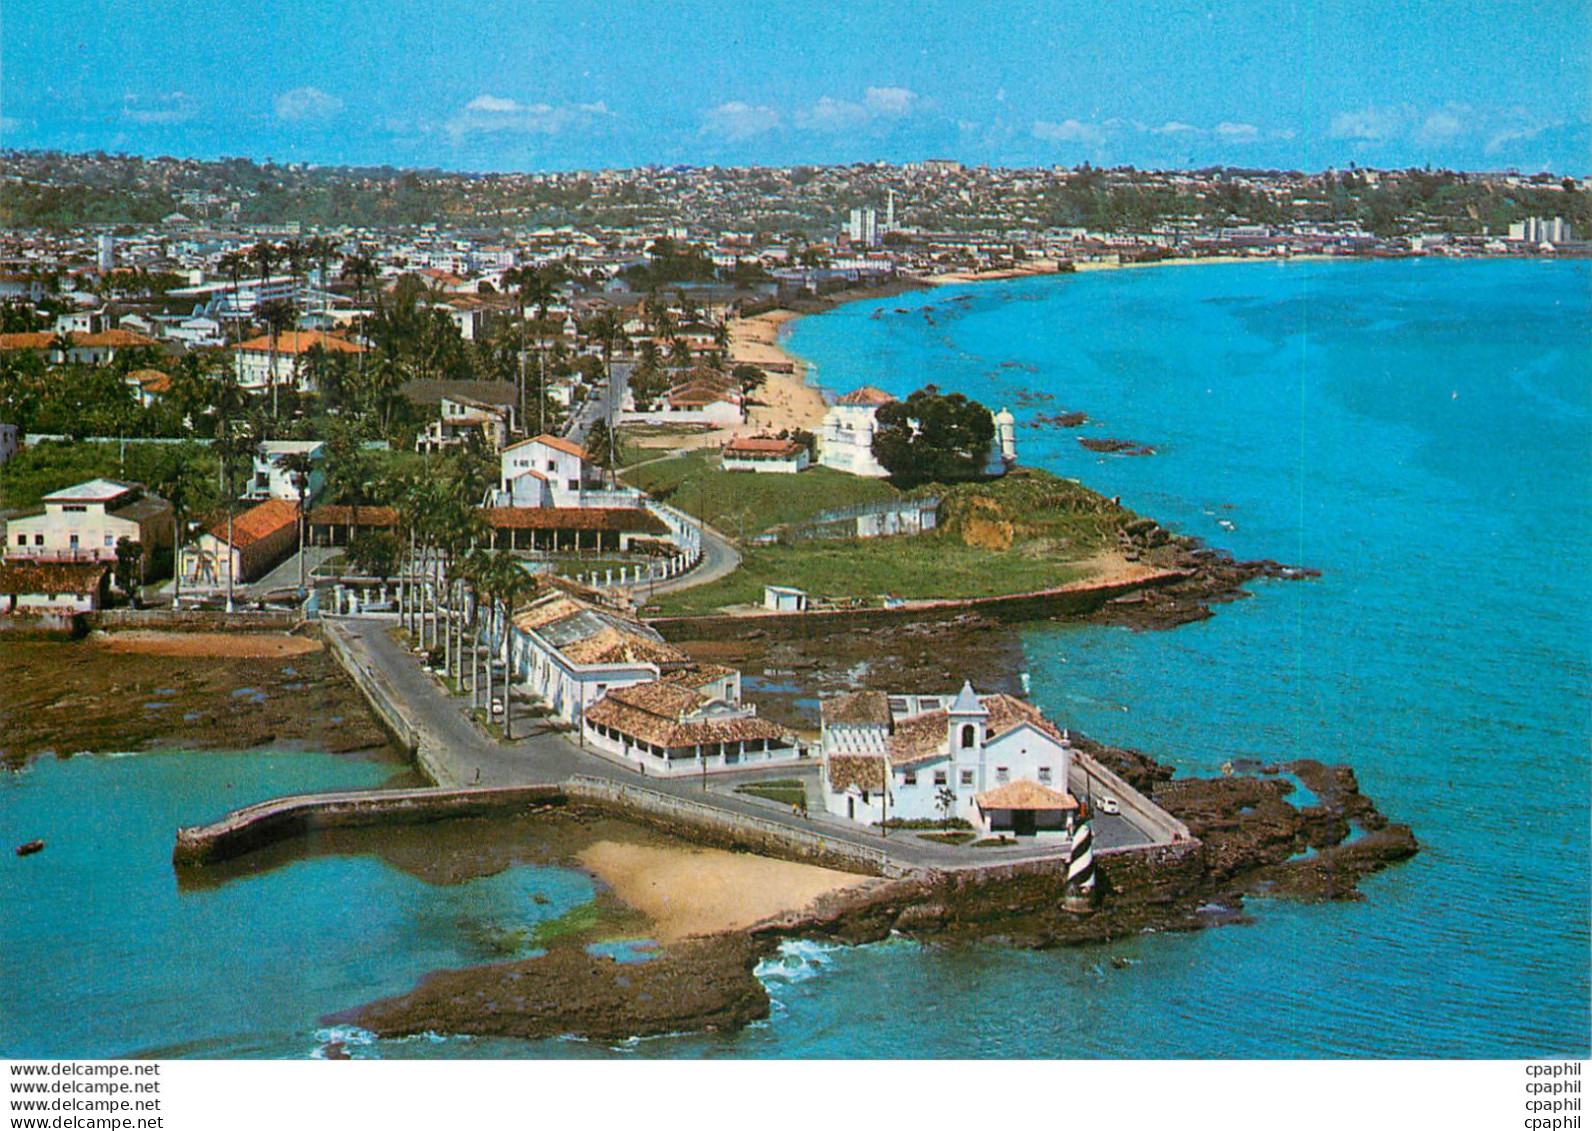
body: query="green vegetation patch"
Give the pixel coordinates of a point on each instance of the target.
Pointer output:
(947, 838)
(1020, 534)
(743, 503)
(791, 793)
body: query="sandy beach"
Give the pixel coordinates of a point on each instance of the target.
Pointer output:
(786, 401)
(701, 891)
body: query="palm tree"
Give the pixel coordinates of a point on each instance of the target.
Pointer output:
(299, 467)
(233, 443)
(174, 483)
(277, 316)
(605, 329)
(360, 268)
(507, 585)
(540, 290)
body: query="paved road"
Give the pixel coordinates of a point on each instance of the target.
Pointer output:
(719, 559)
(547, 756)
(286, 575)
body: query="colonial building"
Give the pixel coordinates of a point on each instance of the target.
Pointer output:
(845, 441)
(689, 722)
(289, 361)
(261, 537)
(84, 523)
(765, 454)
(53, 587)
(547, 471)
(98, 348)
(571, 652)
(549, 529)
(993, 761)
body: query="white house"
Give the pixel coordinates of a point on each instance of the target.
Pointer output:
(765, 454)
(461, 417)
(845, 441)
(572, 652)
(550, 471)
(993, 761)
(784, 599)
(53, 587)
(689, 722)
(272, 481)
(83, 524)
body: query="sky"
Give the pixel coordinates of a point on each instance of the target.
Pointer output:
(487, 85)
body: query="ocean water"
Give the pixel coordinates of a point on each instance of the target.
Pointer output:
(102, 954)
(1420, 431)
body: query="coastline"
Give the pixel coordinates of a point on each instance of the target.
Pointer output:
(759, 339)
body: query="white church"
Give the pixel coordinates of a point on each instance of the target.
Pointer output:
(992, 760)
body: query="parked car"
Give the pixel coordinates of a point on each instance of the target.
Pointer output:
(1108, 805)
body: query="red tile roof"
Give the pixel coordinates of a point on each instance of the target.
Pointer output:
(17, 577)
(653, 712)
(105, 339)
(557, 443)
(610, 519)
(353, 516)
(762, 447)
(298, 341)
(1024, 794)
(256, 523)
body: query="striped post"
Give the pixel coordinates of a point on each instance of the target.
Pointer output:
(1081, 870)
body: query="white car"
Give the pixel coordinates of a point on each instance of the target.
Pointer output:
(1108, 805)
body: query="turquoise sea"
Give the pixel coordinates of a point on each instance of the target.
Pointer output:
(1421, 431)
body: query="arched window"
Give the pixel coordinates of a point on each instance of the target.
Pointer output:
(968, 735)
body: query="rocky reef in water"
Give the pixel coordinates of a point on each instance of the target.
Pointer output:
(1251, 841)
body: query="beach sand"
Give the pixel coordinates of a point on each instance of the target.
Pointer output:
(787, 401)
(699, 891)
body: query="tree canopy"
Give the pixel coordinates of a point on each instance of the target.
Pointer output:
(933, 437)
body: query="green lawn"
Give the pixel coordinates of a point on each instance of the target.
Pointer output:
(919, 566)
(742, 503)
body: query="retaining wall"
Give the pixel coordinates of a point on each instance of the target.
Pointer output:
(1062, 602)
(44, 626)
(736, 831)
(387, 707)
(1147, 814)
(191, 620)
(256, 826)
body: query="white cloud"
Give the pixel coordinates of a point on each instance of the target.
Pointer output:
(490, 114)
(889, 101)
(832, 114)
(1070, 130)
(491, 104)
(159, 109)
(839, 114)
(1370, 124)
(1237, 131)
(1442, 126)
(1175, 127)
(307, 104)
(737, 121)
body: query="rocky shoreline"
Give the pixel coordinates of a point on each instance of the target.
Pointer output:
(65, 697)
(1252, 841)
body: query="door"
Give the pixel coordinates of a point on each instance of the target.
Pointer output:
(1023, 822)
(851, 808)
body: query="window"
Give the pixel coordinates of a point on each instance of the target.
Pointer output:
(22, 539)
(74, 541)
(574, 484)
(75, 508)
(969, 736)
(110, 539)
(1044, 775)
(1002, 775)
(38, 539)
(967, 777)
(909, 777)
(939, 777)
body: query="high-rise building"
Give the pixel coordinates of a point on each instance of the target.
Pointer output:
(107, 252)
(864, 227)
(1540, 229)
